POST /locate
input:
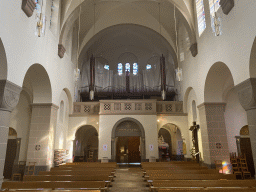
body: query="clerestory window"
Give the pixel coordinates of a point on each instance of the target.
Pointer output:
(200, 16)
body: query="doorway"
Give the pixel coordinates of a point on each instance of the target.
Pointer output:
(128, 141)
(85, 146)
(128, 150)
(10, 153)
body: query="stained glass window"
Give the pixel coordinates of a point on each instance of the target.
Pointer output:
(106, 67)
(120, 68)
(127, 67)
(148, 66)
(200, 16)
(135, 68)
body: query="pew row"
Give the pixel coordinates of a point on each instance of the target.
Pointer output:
(90, 185)
(226, 189)
(218, 176)
(71, 172)
(206, 184)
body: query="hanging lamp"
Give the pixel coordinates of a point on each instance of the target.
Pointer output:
(162, 63)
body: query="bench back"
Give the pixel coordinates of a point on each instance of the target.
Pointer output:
(66, 178)
(192, 177)
(178, 171)
(53, 184)
(208, 190)
(72, 172)
(83, 168)
(204, 183)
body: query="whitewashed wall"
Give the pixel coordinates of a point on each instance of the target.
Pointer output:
(235, 119)
(20, 121)
(233, 47)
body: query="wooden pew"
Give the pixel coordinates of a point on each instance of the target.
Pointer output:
(90, 165)
(74, 190)
(192, 177)
(209, 190)
(83, 168)
(92, 185)
(179, 184)
(66, 178)
(71, 172)
(106, 178)
(180, 171)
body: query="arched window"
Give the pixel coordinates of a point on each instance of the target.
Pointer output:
(120, 68)
(54, 18)
(106, 67)
(127, 67)
(135, 68)
(61, 115)
(148, 66)
(200, 16)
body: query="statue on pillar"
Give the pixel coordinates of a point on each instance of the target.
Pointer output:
(195, 148)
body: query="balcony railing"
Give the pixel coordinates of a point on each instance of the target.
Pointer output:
(118, 107)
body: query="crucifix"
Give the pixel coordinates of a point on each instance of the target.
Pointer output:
(195, 149)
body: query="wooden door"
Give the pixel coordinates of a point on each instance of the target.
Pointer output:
(9, 158)
(245, 145)
(133, 150)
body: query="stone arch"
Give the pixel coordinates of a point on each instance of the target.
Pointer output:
(72, 13)
(142, 135)
(170, 127)
(86, 139)
(218, 82)
(3, 62)
(38, 81)
(252, 64)
(89, 41)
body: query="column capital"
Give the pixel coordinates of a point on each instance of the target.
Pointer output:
(247, 93)
(9, 95)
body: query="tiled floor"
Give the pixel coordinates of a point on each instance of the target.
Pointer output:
(128, 179)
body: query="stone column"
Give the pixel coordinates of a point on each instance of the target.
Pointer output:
(41, 136)
(213, 130)
(9, 97)
(247, 97)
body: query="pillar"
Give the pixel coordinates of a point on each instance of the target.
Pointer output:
(213, 131)
(247, 97)
(9, 97)
(41, 136)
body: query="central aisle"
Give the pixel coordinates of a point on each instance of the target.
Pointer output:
(128, 179)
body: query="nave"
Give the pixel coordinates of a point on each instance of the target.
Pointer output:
(151, 176)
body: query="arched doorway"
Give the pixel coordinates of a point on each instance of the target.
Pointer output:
(128, 141)
(244, 147)
(164, 145)
(172, 136)
(86, 144)
(11, 151)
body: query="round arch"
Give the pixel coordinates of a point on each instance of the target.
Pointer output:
(252, 63)
(219, 81)
(184, 13)
(3, 62)
(38, 81)
(89, 42)
(176, 146)
(86, 141)
(114, 135)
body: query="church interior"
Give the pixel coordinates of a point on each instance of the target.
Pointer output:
(128, 95)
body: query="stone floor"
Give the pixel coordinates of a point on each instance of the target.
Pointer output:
(128, 179)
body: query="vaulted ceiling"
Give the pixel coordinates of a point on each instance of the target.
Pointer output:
(126, 23)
